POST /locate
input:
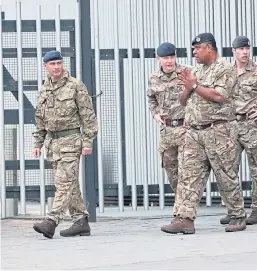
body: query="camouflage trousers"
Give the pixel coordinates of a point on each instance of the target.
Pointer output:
(171, 149)
(247, 139)
(212, 148)
(64, 154)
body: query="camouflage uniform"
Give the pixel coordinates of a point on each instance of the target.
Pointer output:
(163, 100)
(62, 108)
(246, 102)
(211, 142)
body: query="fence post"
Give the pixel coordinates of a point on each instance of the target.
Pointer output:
(2, 153)
(91, 161)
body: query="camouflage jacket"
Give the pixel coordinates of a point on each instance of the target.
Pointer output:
(163, 94)
(64, 105)
(246, 90)
(221, 76)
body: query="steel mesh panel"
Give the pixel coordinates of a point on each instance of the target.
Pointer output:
(9, 39)
(10, 137)
(9, 101)
(30, 74)
(32, 177)
(29, 39)
(108, 122)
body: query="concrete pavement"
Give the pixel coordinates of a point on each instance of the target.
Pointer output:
(130, 242)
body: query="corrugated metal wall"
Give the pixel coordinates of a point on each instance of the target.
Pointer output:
(145, 24)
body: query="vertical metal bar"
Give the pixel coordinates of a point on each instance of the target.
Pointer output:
(58, 27)
(79, 76)
(208, 191)
(90, 161)
(239, 16)
(118, 104)
(188, 15)
(248, 21)
(2, 130)
(39, 85)
(131, 91)
(157, 43)
(254, 33)
(98, 105)
(21, 107)
(143, 106)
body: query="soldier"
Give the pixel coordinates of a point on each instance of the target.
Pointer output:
(164, 105)
(63, 107)
(211, 140)
(246, 110)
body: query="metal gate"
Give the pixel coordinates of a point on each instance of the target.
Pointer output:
(125, 35)
(24, 42)
(125, 170)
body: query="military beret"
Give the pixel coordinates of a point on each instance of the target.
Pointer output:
(241, 41)
(52, 55)
(203, 37)
(166, 49)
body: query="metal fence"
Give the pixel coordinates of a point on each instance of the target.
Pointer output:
(124, 36)
(135, 29)
(23, 43)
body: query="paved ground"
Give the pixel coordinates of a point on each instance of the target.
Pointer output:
(130, 242)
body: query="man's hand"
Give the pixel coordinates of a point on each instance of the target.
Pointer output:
(87, 151)
(253, 114)
(158, 118)
(36, 152)
(187, 79)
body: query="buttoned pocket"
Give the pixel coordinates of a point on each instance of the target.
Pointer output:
(66, 102)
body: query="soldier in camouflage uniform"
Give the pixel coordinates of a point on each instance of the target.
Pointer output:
(211, 140)
(63, 107)
(163, 93)
(246, 110)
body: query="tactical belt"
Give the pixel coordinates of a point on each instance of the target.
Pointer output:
(202, 127)
(58, 134)
(174, 122)
(243, 117)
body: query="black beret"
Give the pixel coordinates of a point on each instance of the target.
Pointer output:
(241, 41)
(203, 37)
(52, 55)
(166, 49)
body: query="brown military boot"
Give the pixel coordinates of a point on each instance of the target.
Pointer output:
(225, 220)
(80, 227)
(46, 227)
(236, 224)
(252, 219)
(180, 225)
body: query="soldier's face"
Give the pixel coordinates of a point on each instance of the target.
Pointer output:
(242, 54)
(168, 63)
(201, 53)
(54, 68)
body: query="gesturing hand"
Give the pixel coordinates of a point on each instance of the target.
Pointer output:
(187, 79)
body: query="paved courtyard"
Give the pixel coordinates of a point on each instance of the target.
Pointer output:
(130, 242)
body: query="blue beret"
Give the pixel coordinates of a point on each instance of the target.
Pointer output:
(203, 38)
(52, 55)
(166, 49)
(241, 41)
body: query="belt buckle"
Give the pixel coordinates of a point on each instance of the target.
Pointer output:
(198, 127)
(238, 117)
(175, 123)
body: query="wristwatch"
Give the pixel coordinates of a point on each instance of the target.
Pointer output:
(195, 85)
